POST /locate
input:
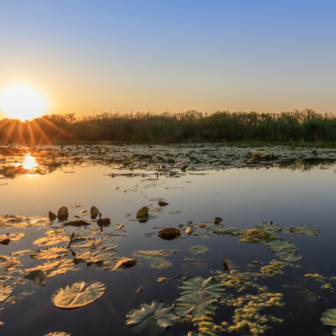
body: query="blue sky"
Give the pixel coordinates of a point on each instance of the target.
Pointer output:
(89, 56)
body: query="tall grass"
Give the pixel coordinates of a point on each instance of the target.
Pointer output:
(190, 126)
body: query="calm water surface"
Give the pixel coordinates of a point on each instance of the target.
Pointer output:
(242, 197)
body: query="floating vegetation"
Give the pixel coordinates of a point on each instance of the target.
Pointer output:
(37, 276)
(198, 249)
(329, 318)
(203, 235)
(161, 280)
(274, 268)
(238, 280)
(5, 291)
(52, 268)
(327, 286)
(256, 236)
(158, 315)
(50, 240)
(281, 245)
(198, 284)
(142, 212)
(62, 213)
(288, 256)
(50, 253)
(169, 233)
(77, 294)
(269, 226)
(161, 264)
(315, 276)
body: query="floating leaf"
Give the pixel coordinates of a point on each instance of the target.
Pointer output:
(198, 303)
(62, 213)
(9, 262)
(301, 229)
(281, 245)
(16, 236)
(19, 253)
(58, 333)
(198, 284)
(4, 239)
(329, 318)
(51, 240)
(269, 226)
(5, 291)
(50, 253)
(51, 216)
(203, 235)
(157, 316)
(37, 276)
(218, 220)
(161, 264)
(257, 236)
(76, 222)
(154, 254)
(288, 256)
(77, 294)
(53, 268)
(142, 212)
(94, 212)
(163, 204)
(123, 263)
(198, 249)
(169, 233)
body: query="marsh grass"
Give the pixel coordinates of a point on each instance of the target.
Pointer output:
(297, 128)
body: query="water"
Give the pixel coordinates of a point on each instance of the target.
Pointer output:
(242, 197)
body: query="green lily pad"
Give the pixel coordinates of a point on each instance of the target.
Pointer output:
(198, 284)
(77, 294)
(62, 213)
(269, 226)
(37, 276)
(50, 253)
(279, 245)
(329, 318)
(52, 268)
(50, 240)
(288, 256)
(198, 249)
(161, 264)
(142, 212)
(198, 303)
(157, 317)
(259, 236)
(301, 229)
(203, 235)
(5, 291)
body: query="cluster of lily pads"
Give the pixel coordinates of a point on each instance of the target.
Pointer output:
(199, 297)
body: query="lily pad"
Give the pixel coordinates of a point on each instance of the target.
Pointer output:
(198, 249)
(50, 240)
(94, 212)
(198, 303)
(269, 226)
(254, 236)
(301, 229)
(37, 276)
(50, 253)
(142, 212)
(77, 294)
(52, 216)
(5, 291)
(169, 233)
(329, 318)
(198, 284)
(16, 236)
(161, 264)
(218, 220)
(157, 317)
(279, 245)
(288, 256)
(203, 235)
(62, 213)
(4, 239)
(53, 268)
(163, 203)
(154, 254)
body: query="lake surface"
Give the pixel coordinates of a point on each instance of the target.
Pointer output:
(242, 197)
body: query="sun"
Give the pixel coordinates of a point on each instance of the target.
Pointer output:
(22, 102)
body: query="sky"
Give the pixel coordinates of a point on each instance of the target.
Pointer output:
(86, 56)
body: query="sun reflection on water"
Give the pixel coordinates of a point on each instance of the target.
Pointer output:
(29, 162)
